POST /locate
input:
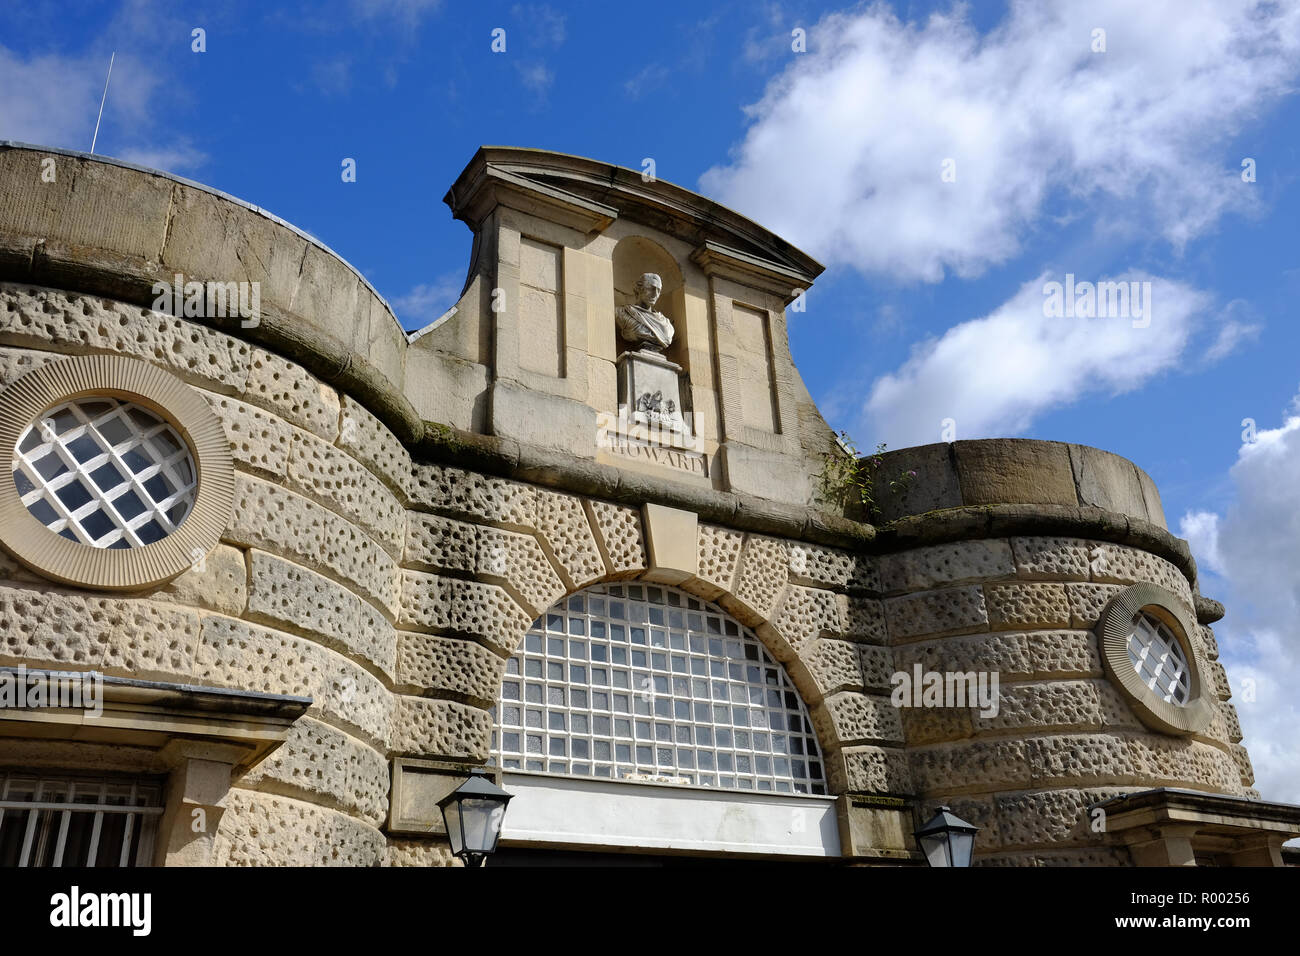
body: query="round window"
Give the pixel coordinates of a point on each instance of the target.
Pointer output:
(1149, 650)
(105, 472)
(1159, 660)
(120, 474)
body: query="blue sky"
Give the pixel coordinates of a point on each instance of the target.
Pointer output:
(1122, 162)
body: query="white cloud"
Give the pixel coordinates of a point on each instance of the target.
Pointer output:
(536, 77)
(1255, 548)
(53, 100)
(844, 153)
(1201, 529)
(427, 301)
(542, 23)
(994, 375)
(409, 12)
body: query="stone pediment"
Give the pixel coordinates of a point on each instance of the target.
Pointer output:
(589, 195)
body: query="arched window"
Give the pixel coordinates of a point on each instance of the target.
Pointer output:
(635, 681)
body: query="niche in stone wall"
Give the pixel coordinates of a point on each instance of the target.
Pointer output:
(633, 257)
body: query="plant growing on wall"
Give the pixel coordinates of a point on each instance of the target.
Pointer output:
(848, 479)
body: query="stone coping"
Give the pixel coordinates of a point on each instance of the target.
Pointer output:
(1173, 804)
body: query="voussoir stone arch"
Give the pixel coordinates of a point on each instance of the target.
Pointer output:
(485, 557)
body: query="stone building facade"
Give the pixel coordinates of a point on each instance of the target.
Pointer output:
(386, 547)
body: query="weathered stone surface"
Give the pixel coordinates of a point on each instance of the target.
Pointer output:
(1045, 818)
(719, 556)
(1087, 601)
(1136, 760)
(936, 484)
(852, 718)
(1065, 654)
(866, 575)
(1113, 563)
(1006, 471)
(1242, 759)
(566, 534)
(456, 664)
(259, 441)
(262, 829)
(932, 725)
(940, 565)
(518, 563)
(440, 728)
(1051, 559)
(970, 766)
(1205, 634)
(1014, 656)
(369, 441)
(835, 665)
(764, 571)
(290, 596)
(1063, 760)
(1012, 606)
(621, 537)
(882, 770)
(866, 621)
(462, 607)
(324, 762)
(45, 318)
(235, 653)
(334, 478)
(1217, 679)
(807, 613)
(1007, 654)
(820, 567)
(420, 853)
(950, 611)
(440, 544)
(218, 583)
(1225, 726)
(18, 362)
(276, 520)
(1107, 481)
(121, 636)
(480, 498)
(293, 393)
(1056, 705)
(877, 664)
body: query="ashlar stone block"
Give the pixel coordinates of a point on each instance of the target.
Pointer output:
(942, 565)
(950, 611)
(262, 829)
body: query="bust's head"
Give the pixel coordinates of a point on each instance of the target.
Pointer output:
(647, 290)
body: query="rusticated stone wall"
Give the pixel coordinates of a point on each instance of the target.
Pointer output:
(1063, 737)
(392, 592)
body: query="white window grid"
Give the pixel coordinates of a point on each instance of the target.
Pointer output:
(1159, 659)
(105, 472)
(631, 680)
(77, 821)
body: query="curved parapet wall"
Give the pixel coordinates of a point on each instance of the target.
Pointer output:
(114, 229)
(1000, 562)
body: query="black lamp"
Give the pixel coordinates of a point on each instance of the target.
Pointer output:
(947, 839)
(472, 814)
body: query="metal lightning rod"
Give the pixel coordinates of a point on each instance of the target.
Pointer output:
(95, 138)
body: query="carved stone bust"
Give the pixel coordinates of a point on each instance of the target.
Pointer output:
(639, 323)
